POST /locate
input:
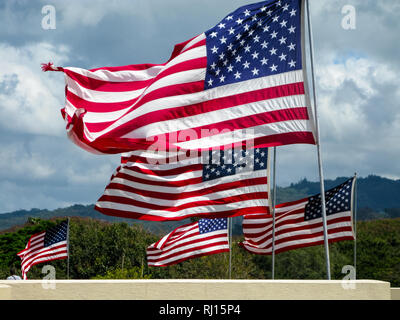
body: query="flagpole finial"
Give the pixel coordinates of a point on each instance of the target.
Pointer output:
(50, 67)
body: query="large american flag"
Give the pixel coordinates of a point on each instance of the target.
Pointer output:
(45, 246)
(244, 79)
(201, 238)
(216, 184)
(299, 223)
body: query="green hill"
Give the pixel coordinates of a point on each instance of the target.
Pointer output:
(104, 250)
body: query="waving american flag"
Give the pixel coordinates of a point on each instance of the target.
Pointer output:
(241, 80)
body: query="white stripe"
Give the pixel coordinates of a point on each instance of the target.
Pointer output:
(179, 202)
(44, 251)
(211, 94)
(177, 177)
(199, 38)
(101, 96)
(120, 76)
(190, 187)
(228, 138)
(189, 254)
(190, 211)
(220, 115)
(181, 246)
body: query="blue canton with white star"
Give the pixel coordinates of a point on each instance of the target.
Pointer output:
(222, 163)
(210, 225)
(336, 200)
(255, 41)
(56, 234)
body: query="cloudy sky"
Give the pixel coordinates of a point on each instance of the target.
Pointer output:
(357, 82)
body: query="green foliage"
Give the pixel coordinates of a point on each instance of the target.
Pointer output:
(102, 250)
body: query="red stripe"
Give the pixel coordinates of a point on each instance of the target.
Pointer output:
(37, 262)
(249, 121)
(34, 254)
(175, 244)
(189, 194)
(123, 86)
(152, 206)
(268, 232)
(192, 257)
(213, 105)
(174, 90)
(164, 173)
(210, 215)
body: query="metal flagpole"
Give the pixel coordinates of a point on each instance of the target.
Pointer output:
(230, 247)
(321, 174)
(68, 249)
(273, 216)
(355, 224)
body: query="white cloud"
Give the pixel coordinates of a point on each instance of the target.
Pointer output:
(30, 100)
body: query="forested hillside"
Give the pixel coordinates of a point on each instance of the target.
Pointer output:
(106, 250)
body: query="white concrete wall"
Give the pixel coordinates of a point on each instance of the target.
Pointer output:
(194, 290)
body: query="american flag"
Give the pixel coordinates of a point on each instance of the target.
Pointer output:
(45, 246)
(244, 79)
(299, 223)
(201, 238)
(219, 183)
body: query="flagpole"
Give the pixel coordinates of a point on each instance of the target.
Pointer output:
(273, 215)
(68, 249)
(321, 173)
(230, 248)
(355, 224)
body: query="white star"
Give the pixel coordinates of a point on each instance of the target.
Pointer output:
(238, 59)
(251, 32)
(293, 12)
(239, 21)
(285, 7)
(273, 67)
(213, 66)
(264, 61)
(282, 57)
(221, 25)
(291, 46)
(283, 23)
(282, 40)
(275, 19)
(230, 68)
(229, 18)
(246, 27)
(269, 12)
(214, 34)
(237, 76)
(246, 65)
(263, 9)
(292, 29)
(210, 82)
(255, 72)
(231, 30)
(247, 13)
(256, 39)
(255, 55)
(238, 36)
(223, 40)
(272, 51)
(274, 34)
(247, 48)
(254, 18)
(214, 49)
(264, 45)
(222, 56)
(242, 42)
(230, 47)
